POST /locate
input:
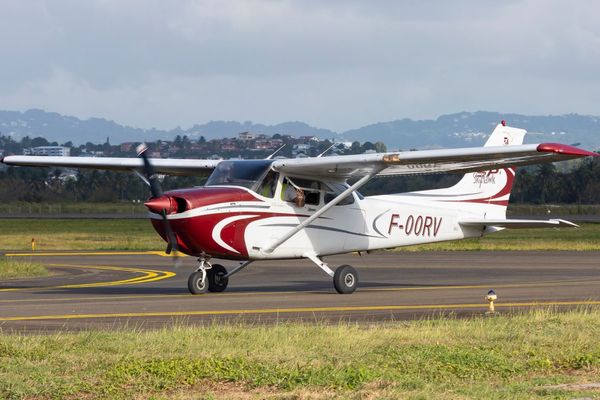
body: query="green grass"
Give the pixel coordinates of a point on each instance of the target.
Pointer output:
(553, 209)
(129, 208)
(22, 207)
(79, 234)
(11, 268)
(484, 358)
(584, 238)
(138, 234)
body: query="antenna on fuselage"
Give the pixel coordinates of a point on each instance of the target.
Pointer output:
(275, 152)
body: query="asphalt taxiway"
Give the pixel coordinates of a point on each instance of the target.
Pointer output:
(127, 289)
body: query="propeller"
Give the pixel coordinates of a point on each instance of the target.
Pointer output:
(158, 202)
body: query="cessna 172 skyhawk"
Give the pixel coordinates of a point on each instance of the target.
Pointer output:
(305, 208)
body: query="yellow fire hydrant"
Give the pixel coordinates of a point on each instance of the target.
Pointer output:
(491, 297)
(32, 244)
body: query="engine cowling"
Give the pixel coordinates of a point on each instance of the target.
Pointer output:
(194, 231)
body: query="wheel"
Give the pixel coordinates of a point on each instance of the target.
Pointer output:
(345, 279)
(215, 278)
(195, 284)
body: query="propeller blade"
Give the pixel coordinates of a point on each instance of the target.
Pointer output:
(149, 172)
(160, 202)
(171, 240)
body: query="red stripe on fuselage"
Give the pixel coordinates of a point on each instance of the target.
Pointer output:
(195, 234)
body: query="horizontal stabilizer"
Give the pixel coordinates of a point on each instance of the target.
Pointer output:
(519, 223)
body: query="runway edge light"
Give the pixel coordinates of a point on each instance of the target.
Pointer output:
(491, 297)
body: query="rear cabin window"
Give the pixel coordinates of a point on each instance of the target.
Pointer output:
(333, 190)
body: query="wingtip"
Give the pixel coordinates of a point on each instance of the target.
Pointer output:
(566, 223)
(565, 149)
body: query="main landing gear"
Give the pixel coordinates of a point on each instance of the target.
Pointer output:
(214, 278)
(345, 277)
(211, 278)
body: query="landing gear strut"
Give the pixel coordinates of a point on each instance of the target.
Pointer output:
(345, 278)
(212, 278)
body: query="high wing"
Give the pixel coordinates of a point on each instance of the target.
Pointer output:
(429, 161)
(161, 165)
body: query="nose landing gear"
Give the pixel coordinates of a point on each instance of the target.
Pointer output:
(212, 278)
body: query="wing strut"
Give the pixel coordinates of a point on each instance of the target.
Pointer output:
(323, 210)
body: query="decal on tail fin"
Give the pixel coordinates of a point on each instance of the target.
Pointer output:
(505, 136)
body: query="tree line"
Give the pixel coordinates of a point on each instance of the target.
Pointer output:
(534, 185)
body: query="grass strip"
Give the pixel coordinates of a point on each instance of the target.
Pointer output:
(127, 208)
(79, 234)
(12, 268)
(138, 235)
(508, 356)
(23, 208)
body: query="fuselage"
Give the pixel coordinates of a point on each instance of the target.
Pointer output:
(234, 222)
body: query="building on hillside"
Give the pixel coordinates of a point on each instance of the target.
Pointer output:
(92, 153)
(247, 136)
(229, 146)
(310, 138)
(300, 150)
(56, 151)
(263, 144)
(126, 147)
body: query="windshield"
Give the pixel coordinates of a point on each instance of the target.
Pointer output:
(238, 173)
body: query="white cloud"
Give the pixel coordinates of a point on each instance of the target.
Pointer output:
(336, 64)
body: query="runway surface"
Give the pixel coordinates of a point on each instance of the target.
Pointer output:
(142, 290)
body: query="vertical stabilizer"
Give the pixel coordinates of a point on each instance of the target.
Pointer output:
(483, 192)
(505, 136)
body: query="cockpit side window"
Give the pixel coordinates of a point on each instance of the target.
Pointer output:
(268, 185)
(310, 189)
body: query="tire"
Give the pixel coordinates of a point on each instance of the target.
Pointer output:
(195, 283)
(214, 276)
(345, 279)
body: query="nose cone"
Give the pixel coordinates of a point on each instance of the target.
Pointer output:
(158, 204)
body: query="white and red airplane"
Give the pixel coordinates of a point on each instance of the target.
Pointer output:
(305, 208)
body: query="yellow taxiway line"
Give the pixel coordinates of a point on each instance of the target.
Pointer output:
(489, 285)
(95, 253)
(264, 293)
(148, 275)
(296, 310)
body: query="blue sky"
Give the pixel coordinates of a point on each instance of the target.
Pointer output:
(333, 64)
